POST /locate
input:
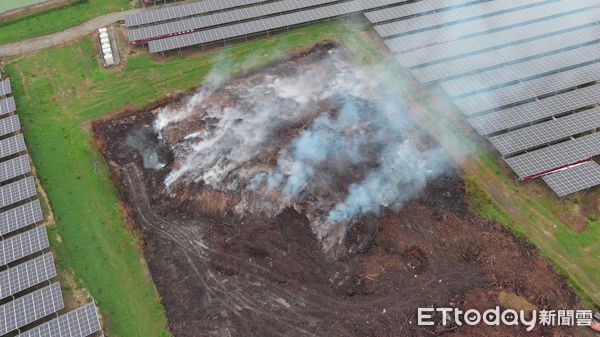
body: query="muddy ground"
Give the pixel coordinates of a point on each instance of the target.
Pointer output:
(221, 275)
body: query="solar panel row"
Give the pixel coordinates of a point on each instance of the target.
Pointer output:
(12, 145)
(469, 85)
(22, 245)
(221, 18)
(536, 110)
(80, 322)
(7, 105)
(9, 124)
(266, 24)
(480, 25)
(521, 91)
(414, 8)
(574, 179)
(26, 275)
(547, 132)
(20, 217)
(17, 191)
(495, 39)
(460, 15)
(14, 167)
(5, 87)
(184, 10)
(29, 308)
(556, 156)
(501, 56)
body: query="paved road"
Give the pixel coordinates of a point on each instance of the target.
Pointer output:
(62, 36)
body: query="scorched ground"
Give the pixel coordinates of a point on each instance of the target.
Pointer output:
(302, 200)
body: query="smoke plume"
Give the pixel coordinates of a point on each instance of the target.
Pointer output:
(328, 138)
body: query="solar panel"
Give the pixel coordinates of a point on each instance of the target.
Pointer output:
(521, 71)
(536, 110)
(188, 9)
(23, 245)
(262, 25)
(26, 275)
(12, 145)
(459, 15)
(521, 91)
(9, 124)
(495, 39)
(7, 105)
(14, 167)
(414, 8)
(80, 322)
(30, 308)
(547, 132)
(555, 156)
(20, 217)
(5, 88)
(221, 18)
(574, 179)
(17, 191)
(465, 29)
(514, 53)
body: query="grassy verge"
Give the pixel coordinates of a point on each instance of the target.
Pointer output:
(57, 19)
(58, 91)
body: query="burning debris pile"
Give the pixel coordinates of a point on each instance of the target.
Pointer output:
(328, 140)
(239, 186)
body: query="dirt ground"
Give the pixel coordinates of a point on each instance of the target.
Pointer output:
(222, 275)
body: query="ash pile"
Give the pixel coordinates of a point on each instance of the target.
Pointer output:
(319, 134)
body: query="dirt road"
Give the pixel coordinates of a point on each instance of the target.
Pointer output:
(62, 36)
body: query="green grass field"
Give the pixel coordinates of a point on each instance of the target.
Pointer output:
(56, 19)
(6, 5)
(57, 91)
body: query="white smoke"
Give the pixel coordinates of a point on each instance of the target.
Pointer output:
(345, 146)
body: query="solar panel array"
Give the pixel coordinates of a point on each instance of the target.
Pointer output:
(80, 322)
(546, 132)
(24, 252)
(184, 10)
(12, 145)
(29, 308)
(26, 275)
(22, 245)
(9, 125)
(524, 73)
(5, 87)
(217, 19)
(20, 217)
(186, 25)
(14, 167)
(7, 105)
(17, 191)
(578, 178)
